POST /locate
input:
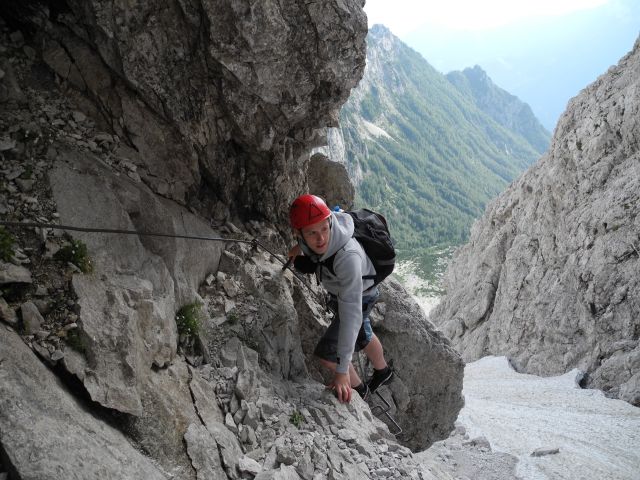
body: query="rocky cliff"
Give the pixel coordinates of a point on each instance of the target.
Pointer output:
(217, 100)
(132, 355)
(550, 274)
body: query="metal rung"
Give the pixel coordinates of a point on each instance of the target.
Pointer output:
(386, 413)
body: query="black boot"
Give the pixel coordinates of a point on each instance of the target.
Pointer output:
(379, 378)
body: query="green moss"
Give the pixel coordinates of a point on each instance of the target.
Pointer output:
(188, 319)
(76, 253)
(297, 418)
(6, 245)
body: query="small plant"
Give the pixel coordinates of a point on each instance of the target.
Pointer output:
(7, 241)
(28, 173)
(297, 418)
(6, 245)
(188, 319)
(76, 253)
(74, 340)
(232, 316)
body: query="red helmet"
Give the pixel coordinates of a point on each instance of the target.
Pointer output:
(307, 210)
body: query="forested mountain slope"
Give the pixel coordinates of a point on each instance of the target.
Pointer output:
(506, 109)
(421, 150)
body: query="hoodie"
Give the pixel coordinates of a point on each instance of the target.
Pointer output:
(350, 265)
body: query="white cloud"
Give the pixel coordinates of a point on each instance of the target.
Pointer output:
(405, 16)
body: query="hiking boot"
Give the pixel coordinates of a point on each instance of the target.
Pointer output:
(363, 391)
(379, 378)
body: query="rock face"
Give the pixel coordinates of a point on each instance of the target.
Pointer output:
(126, 311)
(224, 98)
(64, 439)
(550, 274)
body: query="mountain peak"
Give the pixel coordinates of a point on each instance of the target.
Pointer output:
(379, 29)
(476, 71)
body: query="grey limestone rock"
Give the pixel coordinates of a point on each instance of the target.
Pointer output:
(549, 277)
(429, 372)
(7, 314)
(139, 282)
(127, 306)
(203, 452)
(249, 465)
(47, 433)
(10, 273)
(329, 180)
(285, 472)
(542, 452)
(264, 79)
(204, 397)
(31, 318)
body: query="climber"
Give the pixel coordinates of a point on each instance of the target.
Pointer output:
(322, 234)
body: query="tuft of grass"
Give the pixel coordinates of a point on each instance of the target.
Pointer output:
(6, 245)
(188, 319)
(76, 253)
(297, 418)
(74, 340)
(233, 317)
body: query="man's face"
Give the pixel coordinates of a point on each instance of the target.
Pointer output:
(317, 236)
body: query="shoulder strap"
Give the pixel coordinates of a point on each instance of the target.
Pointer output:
(329, 263)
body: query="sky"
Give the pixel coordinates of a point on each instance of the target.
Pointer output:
(543, 51)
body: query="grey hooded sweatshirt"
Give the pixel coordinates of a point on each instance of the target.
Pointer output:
(350, 265)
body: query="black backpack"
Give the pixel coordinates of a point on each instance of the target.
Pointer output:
(372, 231)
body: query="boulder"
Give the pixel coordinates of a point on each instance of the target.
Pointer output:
(427, 390)
(10, 273)
(203, 452)
(330, 180)
(31, 318)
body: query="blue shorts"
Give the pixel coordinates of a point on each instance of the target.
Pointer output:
(327, 347)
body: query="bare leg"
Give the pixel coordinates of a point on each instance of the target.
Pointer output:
(375, 353)
(354, 378)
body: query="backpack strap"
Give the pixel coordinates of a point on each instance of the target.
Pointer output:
(329, 264)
